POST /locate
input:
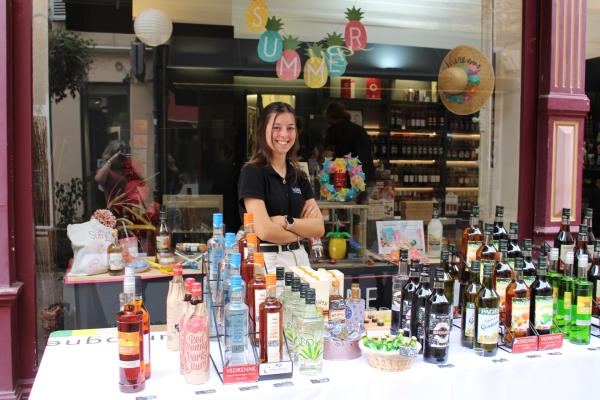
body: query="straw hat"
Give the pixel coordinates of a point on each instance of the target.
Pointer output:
(466, 80)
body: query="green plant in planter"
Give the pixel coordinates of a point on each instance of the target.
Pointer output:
(337, 243)
(69, 60)
(67, 198)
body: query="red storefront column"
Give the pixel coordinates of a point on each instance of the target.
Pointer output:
(553, 181)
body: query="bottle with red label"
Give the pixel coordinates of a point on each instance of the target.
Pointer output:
(196, 349)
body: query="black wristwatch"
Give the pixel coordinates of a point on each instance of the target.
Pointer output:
(290, 221)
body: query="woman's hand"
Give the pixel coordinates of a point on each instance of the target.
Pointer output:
(310, 209)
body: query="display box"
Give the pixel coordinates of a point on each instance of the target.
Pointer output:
(337, 275)
(416, 210)
(373, 88)
(321, 284)
(381, 202)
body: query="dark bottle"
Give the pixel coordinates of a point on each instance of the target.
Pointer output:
(471, 239)
(407, 296)
(437, 322)
(486, 253)
(455, 273)
(564, 240)
(581, 247)
(593, 275)
(502, 275)
(588, 214)
(540, 309)
(417, 318)
(517, 304)
(529, 268)
(468, 311)
(499, 229)
(398, 283)
(448, 283)
(513, 249)
(487, 316)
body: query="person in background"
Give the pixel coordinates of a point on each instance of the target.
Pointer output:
(278, 193)
(110, 175)
(307, 149)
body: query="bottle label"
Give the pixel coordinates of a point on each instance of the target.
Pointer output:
(259, 297)
(420, 323)
(396, 300)
(162, 244)
(406, 311)
(500, 286)
(472, 247)
(529, 280)
(129, 345)
(115, 261)
(129, 364)
(173, 316)
(488, 321)
(439, 330)
(584, 305)
(337, 315)
(555, 300)
(214, 256)
(434, 242)
(238, 338)
(197, 345)
(543, 312)
(567, 301)
(470, 320)
(273, 338)
(519, 318)
(563, 250)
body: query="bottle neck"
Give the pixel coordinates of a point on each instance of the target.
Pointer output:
(236, 297)
(582, 237)
(565, 224)
(403, 267)
(596, 257)
(129, 301)
(499, 221)
(249, 229)
(503, 255)
(474, 276)
(487, 239)
(568, 272)
(437, 285)
(588, 222)
(487, 281)
(518, 275)
(177, 279)
(582, 273)
(527, 255)
(271, 292)
(217, 231)
(474, 221)
(553, 265)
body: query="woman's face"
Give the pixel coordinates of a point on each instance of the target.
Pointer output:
(281, 133)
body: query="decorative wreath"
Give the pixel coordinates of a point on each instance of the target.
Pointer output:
(349, 165)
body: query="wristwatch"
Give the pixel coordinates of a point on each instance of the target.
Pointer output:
(290, 222)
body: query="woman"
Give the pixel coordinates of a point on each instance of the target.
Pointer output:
(111, 176)
(276, 191)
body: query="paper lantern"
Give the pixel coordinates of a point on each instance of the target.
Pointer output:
(153, 27)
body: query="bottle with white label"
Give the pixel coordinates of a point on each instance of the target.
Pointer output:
(435, 231)
(565, 297)
(540, 310)
(309, 330)
(271, 325)
(564, 240)
(437, 323)
(417, 317)
(216, 251)
(236, 326)
(468, 311)
(115, 256)
(256, 293)
(581, 308)
(174, 310)
(398, 282)
(487, 315)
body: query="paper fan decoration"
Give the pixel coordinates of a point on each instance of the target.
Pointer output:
(137, 190)
(133, 169)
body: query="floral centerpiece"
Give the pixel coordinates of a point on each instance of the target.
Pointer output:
(333, 178)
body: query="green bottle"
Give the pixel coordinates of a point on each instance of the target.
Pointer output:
(487, 315)
(565, 296)
(540, 311)
(468, 311)
(581, 308)
(554, 277)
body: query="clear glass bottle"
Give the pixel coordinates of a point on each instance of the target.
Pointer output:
(115, 256)
(593, 276)
(581, 248)
(553, 277)
(309, 327)
(529, 267)
(163, 235)
(407, 297)
(355, 309)
(295, 313)
(565, 297)
(279, 273)
(234, 269)
(417, 317)
(540, 309)
(236, 326)
(455, 273)
(468, 312)
(435, 234)
(499, 231)
(139, 303)
(563, 240)
(502, 276)
(512, 249)
(216, 251)
(248, 228)
(581, 308)
(223, 268)
(398, 283)
(487, 315)
(437, 322)
(471, 240)
(256, 294)
(486, 253)
(288, 310)
(287, 290)
(271, 325)
(517, 303)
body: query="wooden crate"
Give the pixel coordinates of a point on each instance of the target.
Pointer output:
(416, 210)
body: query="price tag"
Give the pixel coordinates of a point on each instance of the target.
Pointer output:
(446, 365)
(500, 360)
(246, 388)
(324, 380)
(593, 348)
(209, 391)
(533, 356)
(556, 353)
(283, 384)
(145, 398)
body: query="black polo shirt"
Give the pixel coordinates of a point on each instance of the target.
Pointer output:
(266, 184)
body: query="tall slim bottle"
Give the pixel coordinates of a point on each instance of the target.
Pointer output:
(247, 268)
(163, 236)
(248, 228)
(115, 256)
(517, 303)
(456, 274)
(233, 271)
(271, 325)
(471, 240)
(407, 297)
(195, 298)
(529, 268)
(487, 315)
(512, 249)
(540, 310)
(256, 294)
(174, 298)
(502, 276)
(581, 248)
(435, 234)
(565, 297)
(564, 240)
(554, 277)
(398, 282)
(417, 318)
(130, 331)
(355, 309)
(486, 253)
(139, 303)
(588, 214)
(216, 251)
(593, 276)
(468, 312)
(223, 268)
(287, 290)
(309, 330)
(197, 344)
(499, 231)
(437, 323)
(448, 283)
(236, 326)
(297, 309)
(581, 308)
(280, 274)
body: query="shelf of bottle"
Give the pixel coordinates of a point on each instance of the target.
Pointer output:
(421, 189)
(206, 232)
(413, 161)
(464, 135)
(397, 103)
(461, 162)
(416, 132)
(462, 188)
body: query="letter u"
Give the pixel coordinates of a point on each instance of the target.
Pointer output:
(274, 47)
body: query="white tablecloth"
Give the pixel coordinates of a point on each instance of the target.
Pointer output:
(77, 366)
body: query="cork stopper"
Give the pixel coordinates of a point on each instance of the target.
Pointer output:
(248, 220)
(188, 284)
(271, 281)
(177, 269)
(197, 289)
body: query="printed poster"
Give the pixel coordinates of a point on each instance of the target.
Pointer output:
(392, 234)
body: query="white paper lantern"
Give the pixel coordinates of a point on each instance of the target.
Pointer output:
(153, 27)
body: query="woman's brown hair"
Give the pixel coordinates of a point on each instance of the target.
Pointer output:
(337, 112)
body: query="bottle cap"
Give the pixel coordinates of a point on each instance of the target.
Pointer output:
(288, 278)
(588, 213)
(566, 213)
(582, 259)
(236, 280)
(475, 267)
(235, 259)
(252, 240)
(503, 244)
(499, 211)
(583, 229)
(271, 281)
(138, 286)
(569, 256)
(554, 253)
(514, 228)
(229, 239)
(475, 211)
(489, 229)
(259, 260)
(197, 289)
(279, 272)
(519, 264)
(295, 284)
(452, 248)
(404, 254)
(189, 282)
(303, 288)
(177, 269)
(526, 244)
(542, 262)
(248, 220)
(217, 220)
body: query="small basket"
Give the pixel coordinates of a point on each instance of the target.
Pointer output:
(387, 361)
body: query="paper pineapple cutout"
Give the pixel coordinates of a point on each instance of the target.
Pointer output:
(334, 55)
(289, 65)
(315, 69)
(270, 44)
(356, 35)
(257, 15)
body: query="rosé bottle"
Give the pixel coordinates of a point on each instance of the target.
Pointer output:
(197, 340)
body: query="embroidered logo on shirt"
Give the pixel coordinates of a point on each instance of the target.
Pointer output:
(296, 190)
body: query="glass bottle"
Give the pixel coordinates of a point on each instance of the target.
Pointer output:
(279, 273)
(216, 251)
(554, 277)
(247, 268)
(581, 247)
(417, 317)
(513, 249)
(295, 312)
(517, 303)
(455, 272)
(287, 290)
(487, 315)
(529, 268)
(139, 303)
(398, 283)
(471, 240)
(502, 275)
(540, 309)
(234, 269)
(288, 310)
(115, 256)
(499, 231)
(174, 297)
(223, 267)
(337, 305)
(163, 236)
(407, 297)
(188, 282)
(271, 325)
(565, 296)
(256, 294)
(437, 322)
(130, 331)
(448, 284)
(188, 308)
(486, 253)
(316, 249)
(309, 330)
(434, 234)
(593, 276)
(588, 214)
(355, 309)
(564, 240)
(236, 326)
(468, 311)
(581, 308)
(196, 369)
(243, 242)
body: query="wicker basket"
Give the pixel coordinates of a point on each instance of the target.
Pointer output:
(387, 361)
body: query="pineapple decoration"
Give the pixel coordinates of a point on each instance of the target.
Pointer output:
(356, 35)
(270, 45)
(257, 15)
(289, 64)
(315, 69)
(334, 55)
(337, 242)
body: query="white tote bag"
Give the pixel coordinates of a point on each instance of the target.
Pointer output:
(90, 241)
